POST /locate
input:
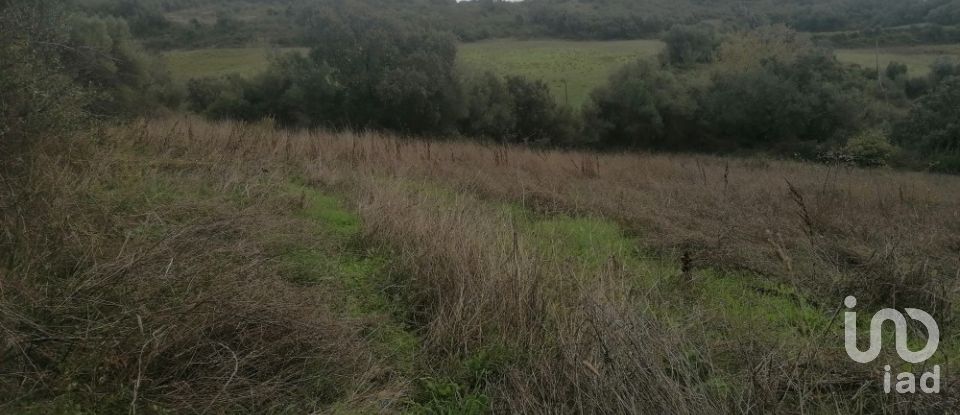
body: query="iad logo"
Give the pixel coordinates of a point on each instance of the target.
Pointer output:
(906, 381)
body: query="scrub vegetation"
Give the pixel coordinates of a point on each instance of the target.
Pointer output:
(367, 227)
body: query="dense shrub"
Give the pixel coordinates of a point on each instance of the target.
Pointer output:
(104, 57)
(811, 101)
(933, 125)
(869, 148)
(642, 105)
(36, 94)
(515, 109)
(368, 72)
(689, 45)
(766, 101)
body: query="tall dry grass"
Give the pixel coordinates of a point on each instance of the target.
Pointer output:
(890, 238)
(476, 284)
(580, 343)
(118, 295)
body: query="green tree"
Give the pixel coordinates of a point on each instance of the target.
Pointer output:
(933, 125)
(36, 93)
(690, 45)
(101, 54)
(516, 109)
(393, 75)
(642, 105)
(793, 107)
(538, 116)
(490, 110)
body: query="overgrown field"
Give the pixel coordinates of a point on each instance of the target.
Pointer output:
(188, 266)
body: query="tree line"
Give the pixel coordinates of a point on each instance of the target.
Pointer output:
(62, 69)
(286, 22)
(768, 90)
(760, 90)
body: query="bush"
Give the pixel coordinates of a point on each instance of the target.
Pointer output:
(933, 125)
(786, 107)
(896, 70)
(689, 45)
(490, 109)
(869, 148)
(36, 94)
(642, 105)
(103, 56)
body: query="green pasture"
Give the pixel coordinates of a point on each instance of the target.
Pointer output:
(199, 63)
(917, 58)
(571, 68)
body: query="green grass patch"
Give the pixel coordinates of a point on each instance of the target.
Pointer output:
(363, 274)
(572, 69)
(742, 304)
(214, 62)
(917, 58)
(747, 304)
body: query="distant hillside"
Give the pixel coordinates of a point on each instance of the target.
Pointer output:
(180, 23)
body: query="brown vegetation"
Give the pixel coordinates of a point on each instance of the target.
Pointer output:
(175, 301)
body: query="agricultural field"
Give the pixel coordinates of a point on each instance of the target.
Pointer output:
(571, 68)
(917, 58)
(200, 63)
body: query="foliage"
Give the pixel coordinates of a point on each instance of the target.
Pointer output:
(644, 106)
(174, 23)
(870, 148)
(780, 105)
(363, 72)
(367, 72)
(36, 94)
(62, 69)
(896, 70)
(689, 45)
(106, 59)
(933, 125)
(490, 107)
(538, 117)
(943, 68)
(769, 90)
(914, 34)
(749, 49)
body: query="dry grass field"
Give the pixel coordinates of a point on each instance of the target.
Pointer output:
(182, 264)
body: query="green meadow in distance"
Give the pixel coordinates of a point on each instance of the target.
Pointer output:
(917, 58)
(201, 63)
(583, 65)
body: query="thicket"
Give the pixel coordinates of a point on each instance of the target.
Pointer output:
(368, 72)
(767, 89)
(771, 90)
(283, 21)
(62, 69)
